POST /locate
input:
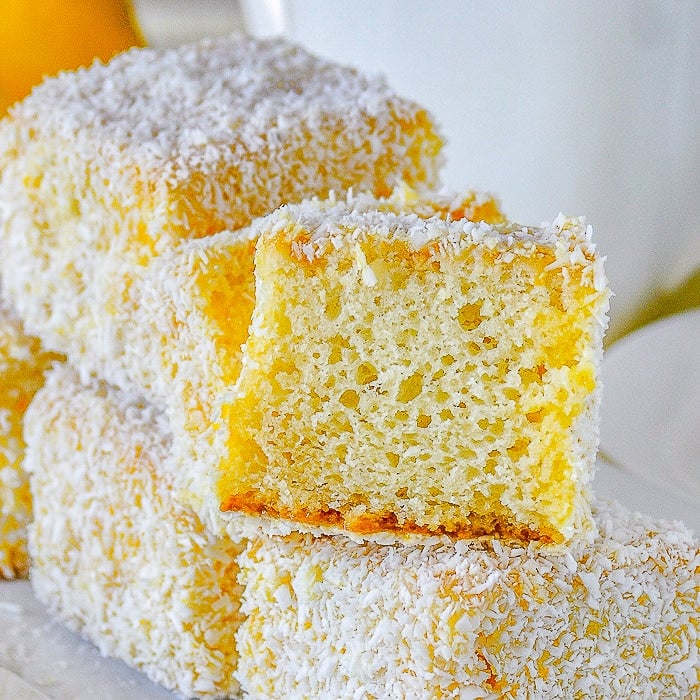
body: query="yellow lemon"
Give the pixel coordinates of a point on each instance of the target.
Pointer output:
(42, 37)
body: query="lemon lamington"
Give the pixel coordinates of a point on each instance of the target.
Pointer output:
(412, 375)
(191, 315)
(22, 367)
(117, 559)
(104, 168)
(113, 555)
(613, 619)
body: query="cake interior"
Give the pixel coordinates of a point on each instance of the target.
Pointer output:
(389, 387)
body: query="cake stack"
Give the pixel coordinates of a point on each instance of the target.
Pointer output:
(344, 449)
(103, 170)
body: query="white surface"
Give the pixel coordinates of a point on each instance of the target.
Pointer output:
(63, 667)
(55, 662)
(650, 417)
(12, 686)
(174, 22)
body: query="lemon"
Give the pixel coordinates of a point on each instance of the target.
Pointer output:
(41, 37)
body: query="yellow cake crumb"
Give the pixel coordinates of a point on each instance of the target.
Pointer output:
(22, 367)
(192, 314)
(417, 376)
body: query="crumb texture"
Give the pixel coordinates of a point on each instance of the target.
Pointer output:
(419, 374)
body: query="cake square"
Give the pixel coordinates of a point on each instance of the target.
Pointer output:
(612, 619)
(408, 376)
(191, 316)
(104, 168)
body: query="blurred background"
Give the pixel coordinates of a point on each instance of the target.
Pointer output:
(581, 107)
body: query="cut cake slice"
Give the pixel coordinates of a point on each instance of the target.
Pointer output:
(417, 376)
(299, 616)
(22, 367)
(190, 316)
(104, 168)
(182, 324)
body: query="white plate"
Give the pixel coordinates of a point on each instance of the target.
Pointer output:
(62, 666)
(650, 417)
(54, 662)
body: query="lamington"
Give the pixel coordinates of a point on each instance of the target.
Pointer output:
(189, 316)
(23, 363)
(118, 559)
(409, 376)
(114, 556)
(612, 619)
(104, 168)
